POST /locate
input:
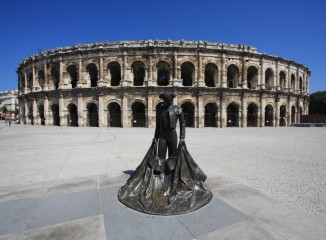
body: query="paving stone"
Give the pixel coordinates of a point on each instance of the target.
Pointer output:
(66, 207)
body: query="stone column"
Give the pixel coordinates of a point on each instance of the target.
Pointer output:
(21, 108)
(80, 78)
(150, 111)
(150, 81)
(289, 111)
(61, 80)
(262, 110)
(223, 111)
(176, 78)
(46, 111)
(101, 121)
(34, 87)
(124, 113)
(277, 113)
(289, 78)
(46, 78)
(277, 75)
(200, 81)
(63, 121)
(26, 110)
(261, 83)
(35, 119)
(200, 110)
(101, 82)
(244, 74)
(243, 109)
(125, 80)
(25, 79)
(224, 72)
(81, 122)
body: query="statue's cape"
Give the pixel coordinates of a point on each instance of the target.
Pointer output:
(178, 189)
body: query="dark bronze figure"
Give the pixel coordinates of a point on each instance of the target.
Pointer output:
(166, 186)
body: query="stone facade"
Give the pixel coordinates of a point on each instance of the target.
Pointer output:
(117, 84)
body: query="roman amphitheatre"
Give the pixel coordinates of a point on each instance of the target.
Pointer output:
(117, 84)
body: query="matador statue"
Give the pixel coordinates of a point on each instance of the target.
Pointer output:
(166, 186)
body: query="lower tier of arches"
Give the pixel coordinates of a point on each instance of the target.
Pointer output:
(136, 107)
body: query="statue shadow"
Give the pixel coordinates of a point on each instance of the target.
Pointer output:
(129, 172)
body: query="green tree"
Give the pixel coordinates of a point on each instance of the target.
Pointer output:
(317, 103)
(4, 109)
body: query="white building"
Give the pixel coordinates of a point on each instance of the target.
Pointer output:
(9, 99)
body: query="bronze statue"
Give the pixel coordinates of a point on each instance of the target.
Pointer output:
(166, 186)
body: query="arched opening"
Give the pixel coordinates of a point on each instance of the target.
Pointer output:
(55, 114)
(30, 116)
(252, 77)
(55, 77)
(114, 115)
(282, 80)
(300, 85)
(73, 75)
(233, 115)
(269, 116)
(138, 70)
(41, 114)
(138, 115)
(293, 114)
(211, 74)
(93, 75)
(292, 82)
(30, 81)
(189, 113)
(269, 76)
(210, 115)
(41, 79)
(72, 120)
(282, 116)
(187, 73)
(232, 76)
(92, 115)
(252, 115)
(115, 73)
(163, 73)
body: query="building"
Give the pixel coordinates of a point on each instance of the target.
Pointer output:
(9, 100)
(117, 84)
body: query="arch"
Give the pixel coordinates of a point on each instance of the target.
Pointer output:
(269, 76)
(163, 73)
(252, 115)
(114, 115)
(211, 74)
(91, 68)
(232, 76)
(73, 75)
(41, 113)
(55, 114)
(293, 82)
(282, 116)
(72, 119)
(41, 78)
(233, 115)
(92, 114)
(114, 69)
(293, 114)
(55, 77)
(30, 80)
(252, 77)
(282, 79)
(269, 115)
(210, 115)
(138, 70)
(187, 73)
(300, 85)
(138, 114)
(189, 113)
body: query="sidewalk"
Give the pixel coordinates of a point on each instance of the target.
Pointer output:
(62, 183)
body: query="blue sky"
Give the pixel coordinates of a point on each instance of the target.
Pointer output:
(292, 29)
